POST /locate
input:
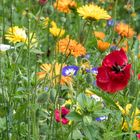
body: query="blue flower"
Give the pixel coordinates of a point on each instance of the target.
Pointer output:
(87, 56)
(102, 118)
(70, 70)
(93, 70)
(46, 88)
(110, 22)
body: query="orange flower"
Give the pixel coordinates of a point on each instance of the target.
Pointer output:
(99, 35)
(102, 46)
(52, 72)
(124, 30)
(64, 5)
(70, 47)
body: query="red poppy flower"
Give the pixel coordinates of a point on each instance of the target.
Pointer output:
(114, 73)
(138, 136)
(60, 115)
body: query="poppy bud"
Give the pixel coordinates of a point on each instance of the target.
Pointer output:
(42, 2)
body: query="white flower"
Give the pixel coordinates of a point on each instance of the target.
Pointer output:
(4, 47)
(70, 71)
(96, 98)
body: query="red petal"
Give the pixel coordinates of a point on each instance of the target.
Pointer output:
(116, 57)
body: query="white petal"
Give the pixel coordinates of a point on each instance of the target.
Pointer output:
(4, 47)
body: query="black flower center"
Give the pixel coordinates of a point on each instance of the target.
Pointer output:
(117, 68)
(63, 115)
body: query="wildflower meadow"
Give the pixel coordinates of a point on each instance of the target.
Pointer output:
(69, 69)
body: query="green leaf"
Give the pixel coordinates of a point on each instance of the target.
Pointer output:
(74, 116)
(87, 120)
(82, 100)
(36, 51)
(42, 98)
(89, 132)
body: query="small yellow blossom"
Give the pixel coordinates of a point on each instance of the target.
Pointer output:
(126, 112)
(55, 31)
(46, 21)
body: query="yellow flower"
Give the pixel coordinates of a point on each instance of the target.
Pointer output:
(67, 102)
(16, 34)
(65, 5)
(46, 21)
(93, 12)
(139, 55)
(135, 127)
(53, 72)
(126, 112)
(70, 47)
(55, 31)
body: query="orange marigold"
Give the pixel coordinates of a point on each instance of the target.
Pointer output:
(102, 46)
(124, 30)
(99, 35)
(70, 47)
(65, 5)
(52, 72)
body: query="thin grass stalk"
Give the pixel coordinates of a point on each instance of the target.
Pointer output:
(34, 118)
(136, 92)
(1, 77)
(28, 75)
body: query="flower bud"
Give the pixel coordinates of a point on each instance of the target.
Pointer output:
(42, 2)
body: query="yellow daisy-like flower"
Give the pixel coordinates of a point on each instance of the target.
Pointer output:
(53, 72)
(93, 12)
(16, 34)
(55, 31)
(70, 47)
(65, 5)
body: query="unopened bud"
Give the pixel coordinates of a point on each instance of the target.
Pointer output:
(42, 2)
